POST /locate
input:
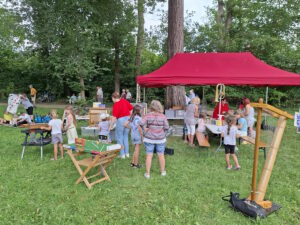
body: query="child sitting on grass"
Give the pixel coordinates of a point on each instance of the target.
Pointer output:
(56, 134)
(104, 125)
(136, 134)
(230, 133)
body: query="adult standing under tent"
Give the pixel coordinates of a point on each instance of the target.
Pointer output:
(121, 112)
(192, 94)
(249, 116)
(27, 105)
(224, 109)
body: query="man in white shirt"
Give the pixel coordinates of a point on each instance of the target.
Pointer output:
(128, 95)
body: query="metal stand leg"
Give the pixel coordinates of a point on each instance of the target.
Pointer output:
(23, 152)
(219, 149)
(41, 152)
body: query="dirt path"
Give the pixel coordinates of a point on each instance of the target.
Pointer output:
(44, 105)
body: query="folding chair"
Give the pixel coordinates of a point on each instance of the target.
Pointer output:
(98, 159)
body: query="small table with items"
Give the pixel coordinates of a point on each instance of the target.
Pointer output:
(32, 131)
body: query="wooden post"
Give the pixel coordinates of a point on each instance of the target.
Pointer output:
(271, 157)
(256, 149)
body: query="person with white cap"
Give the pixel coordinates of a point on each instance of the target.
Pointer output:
(104, 125)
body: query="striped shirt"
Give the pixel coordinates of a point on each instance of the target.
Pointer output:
(155, 125)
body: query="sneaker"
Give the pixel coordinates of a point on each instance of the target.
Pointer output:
(163, 173)
(237, 168)
(132, 165)
(229, 168)
(122, 156)
(147, 176)
(127, 155)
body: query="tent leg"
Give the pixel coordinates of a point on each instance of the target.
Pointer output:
(144, 97)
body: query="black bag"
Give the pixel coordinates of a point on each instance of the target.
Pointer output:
(168, 151)
(247, 207)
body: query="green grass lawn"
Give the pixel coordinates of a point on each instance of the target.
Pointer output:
(35, 191)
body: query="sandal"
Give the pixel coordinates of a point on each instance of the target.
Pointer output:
(53, 159)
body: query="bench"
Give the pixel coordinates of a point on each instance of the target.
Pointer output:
(251, 140)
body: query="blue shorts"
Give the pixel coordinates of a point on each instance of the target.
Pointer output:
(136, 138)
(160, 148)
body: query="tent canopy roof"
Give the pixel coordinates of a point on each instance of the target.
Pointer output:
(191, 69)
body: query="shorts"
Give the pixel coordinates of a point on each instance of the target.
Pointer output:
(136, 138)
(160, 148)
(30, 111)
(56, 138)
(185, 130)
(229, 149)
(191, 129)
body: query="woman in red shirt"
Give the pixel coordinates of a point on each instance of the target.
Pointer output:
(121, 112)
(224, 109)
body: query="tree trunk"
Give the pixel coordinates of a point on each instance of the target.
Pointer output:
(140, 36)
(117, 66)
(175, 95)
(139, 44)
(220, 22)
(228, 21)
(82, 91)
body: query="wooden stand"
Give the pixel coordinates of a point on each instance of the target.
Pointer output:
(85, 165)
(258, 194)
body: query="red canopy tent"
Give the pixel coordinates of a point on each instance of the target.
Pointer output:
(190, 69)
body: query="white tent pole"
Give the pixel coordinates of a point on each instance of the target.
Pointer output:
(267, 94)
(144, 98)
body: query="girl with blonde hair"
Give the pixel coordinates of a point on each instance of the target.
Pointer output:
(70, 126)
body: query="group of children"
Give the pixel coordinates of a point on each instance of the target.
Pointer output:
(58, 126)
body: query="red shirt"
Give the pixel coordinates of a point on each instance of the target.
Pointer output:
(224, 109)
(121, 108)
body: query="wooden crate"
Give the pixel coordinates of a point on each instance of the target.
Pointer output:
(94, 115)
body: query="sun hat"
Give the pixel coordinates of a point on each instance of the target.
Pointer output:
(103, 116)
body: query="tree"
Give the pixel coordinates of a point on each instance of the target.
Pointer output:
(175, 95)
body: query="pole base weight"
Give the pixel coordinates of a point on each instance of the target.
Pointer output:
(248, 207)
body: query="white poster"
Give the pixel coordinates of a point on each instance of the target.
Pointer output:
(13, 103)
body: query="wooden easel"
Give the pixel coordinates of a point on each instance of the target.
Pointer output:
(258, 194)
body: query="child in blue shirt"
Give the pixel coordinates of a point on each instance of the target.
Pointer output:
(136, 134)
(241, 123)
